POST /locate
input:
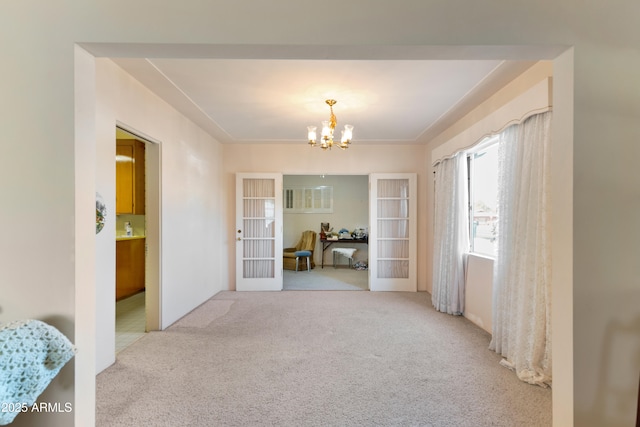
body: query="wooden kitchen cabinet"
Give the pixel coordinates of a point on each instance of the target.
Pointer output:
(130, 276)
(130, 176)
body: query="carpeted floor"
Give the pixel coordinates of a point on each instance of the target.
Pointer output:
(320, 358)
(326, 279)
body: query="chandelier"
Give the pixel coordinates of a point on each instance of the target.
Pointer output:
(328, 126)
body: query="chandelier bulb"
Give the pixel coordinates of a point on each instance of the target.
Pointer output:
(311, 135)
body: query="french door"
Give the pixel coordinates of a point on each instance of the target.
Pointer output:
(258, 232)
(392, 232)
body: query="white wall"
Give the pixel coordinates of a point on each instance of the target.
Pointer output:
(46, 168)
(478, 298)
(350, 211)
(191, 202)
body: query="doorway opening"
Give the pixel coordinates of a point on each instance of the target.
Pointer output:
(137, 237)
(334, 207)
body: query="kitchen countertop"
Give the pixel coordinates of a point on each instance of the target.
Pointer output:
(118, 238)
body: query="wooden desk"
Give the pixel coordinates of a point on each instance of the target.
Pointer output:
(326, 243)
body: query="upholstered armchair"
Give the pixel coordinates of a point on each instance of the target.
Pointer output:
(307, 243)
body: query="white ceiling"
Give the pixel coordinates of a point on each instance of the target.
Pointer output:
(273, 100)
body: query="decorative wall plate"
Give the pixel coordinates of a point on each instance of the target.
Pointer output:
(101, 213)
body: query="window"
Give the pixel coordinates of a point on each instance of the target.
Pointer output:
(483, 197)
(308, 199)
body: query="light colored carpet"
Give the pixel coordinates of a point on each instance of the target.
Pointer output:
(326, 279)
(206, 313)
(320, 358)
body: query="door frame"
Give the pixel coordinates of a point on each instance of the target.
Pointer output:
(153, 229)
(318, 253)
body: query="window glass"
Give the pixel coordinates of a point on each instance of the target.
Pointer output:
(483, 198)
(308, 199)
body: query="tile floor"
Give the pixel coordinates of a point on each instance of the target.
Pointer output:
(130, 320)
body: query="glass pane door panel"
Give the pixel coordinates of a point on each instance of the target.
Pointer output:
(390, 228)
(392, 240)
(258, 188)
(393, 188)
(259, 208)
(393, 269)
(393, 208)
(259, 248)
(259, 228)
(254, 269)
(393, 249)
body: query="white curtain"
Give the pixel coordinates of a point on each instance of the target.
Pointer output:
(521, 283)
(451, 234)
